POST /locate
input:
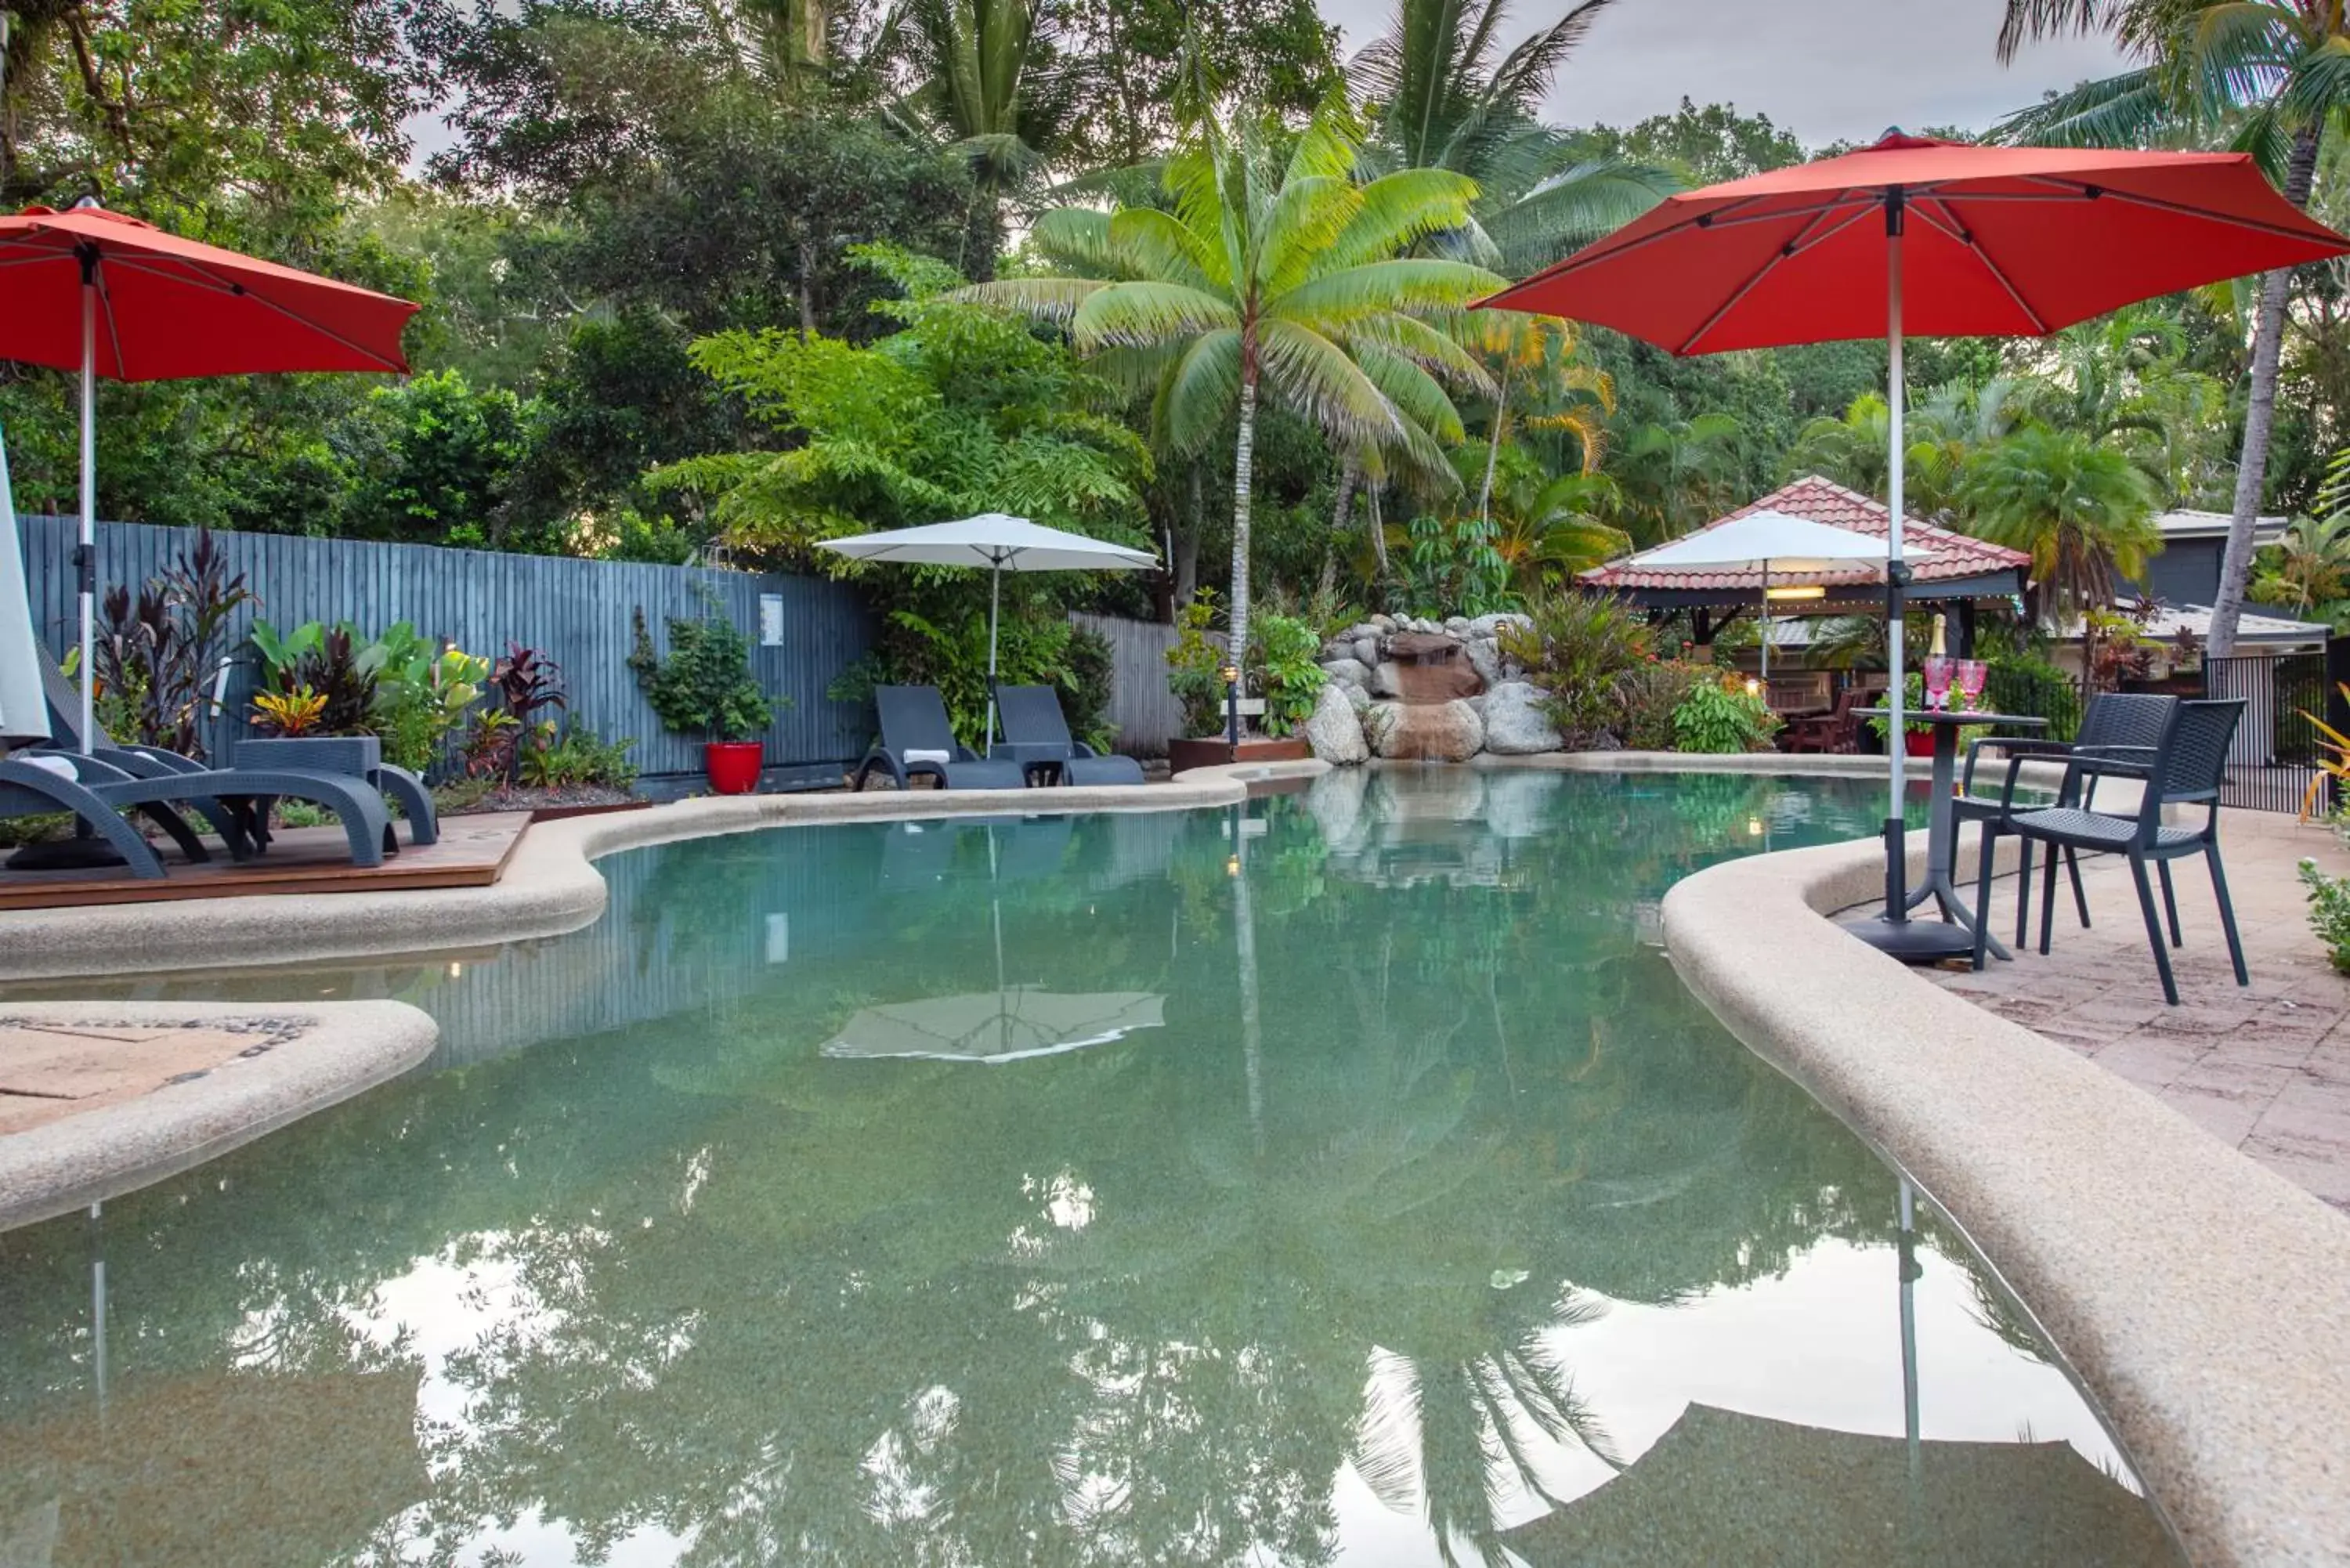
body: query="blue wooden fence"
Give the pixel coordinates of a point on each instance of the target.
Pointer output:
(576, 611)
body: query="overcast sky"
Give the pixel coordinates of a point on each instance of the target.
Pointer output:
(1827, 70)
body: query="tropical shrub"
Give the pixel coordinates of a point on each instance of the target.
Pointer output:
(1648, 694)
(159, 654)
(1580, 649)
(421, 697)
(2022, 684)
(1282, 651)
(575, 756)
(287, 715)
(1195, 668)
(1452, 567)
(326, 661)
(704, 687)
(2329, 912)
(1721, 717)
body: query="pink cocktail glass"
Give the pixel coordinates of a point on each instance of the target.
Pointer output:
(1937, 682)
(1971, 676)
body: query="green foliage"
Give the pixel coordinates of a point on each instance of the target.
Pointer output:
(2032, 688)
(2082, 510)
(1701, 146)
(1452, 567)
(422, 695)
(1285, 657)
(2329, 912)
(705, 686)
(1649, 695)
(1581, 649)
(325, 660)
(1720, 716)
(1194, 668)
(565, 757)
(158, 657)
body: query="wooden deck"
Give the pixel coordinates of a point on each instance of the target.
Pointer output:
(472, 852)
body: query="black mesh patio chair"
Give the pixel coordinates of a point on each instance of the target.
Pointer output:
(2187, 768)
(2119, 732)
(1036, 731)
(916, 742)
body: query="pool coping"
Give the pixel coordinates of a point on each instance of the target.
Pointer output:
(2200, 1296)
(309, 1055)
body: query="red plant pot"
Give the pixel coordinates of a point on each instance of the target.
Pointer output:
(734, 765)
(1917, 743)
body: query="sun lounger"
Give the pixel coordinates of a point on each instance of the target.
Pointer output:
(1036, 731)
(916, 742)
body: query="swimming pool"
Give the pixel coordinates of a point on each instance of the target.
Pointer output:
(1345, 1177)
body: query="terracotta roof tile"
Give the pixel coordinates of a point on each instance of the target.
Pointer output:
(1955, 554)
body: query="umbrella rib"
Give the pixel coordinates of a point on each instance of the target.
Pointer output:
(1806, 240)
(1950, 223)
(113, 330)
(204, 279)
(2085, 190)
(1715, 220)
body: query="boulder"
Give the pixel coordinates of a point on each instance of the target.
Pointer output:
(1458, 625)
(1346, 672)
(1485, 659)
(1357, 697)
(1366, 650)
(1491, 625)
(1387, 679)
(1335, 731)
(1515, 725)
(1384, 623)
(1425, 731)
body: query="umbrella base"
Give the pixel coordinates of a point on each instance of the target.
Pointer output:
(64, 854)
(1915, 941)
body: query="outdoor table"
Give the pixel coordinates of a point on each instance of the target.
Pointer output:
(1040, 760)
(1941, 822)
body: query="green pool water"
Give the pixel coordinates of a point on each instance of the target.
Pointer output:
(1341, 1179)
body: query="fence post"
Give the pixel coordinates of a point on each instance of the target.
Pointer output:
(2337, 704)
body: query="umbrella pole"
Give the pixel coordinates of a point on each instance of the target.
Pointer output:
(86, 555)
(995, 607)
(1896, 844)
(1766, 631)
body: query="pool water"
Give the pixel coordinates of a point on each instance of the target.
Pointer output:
(1342, 1177)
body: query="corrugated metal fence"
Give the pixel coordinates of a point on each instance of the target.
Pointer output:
(576, 611)
(1141, 705)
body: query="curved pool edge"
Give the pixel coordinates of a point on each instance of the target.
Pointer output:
(317, 1055)
(2200, 1296)
(550, 885)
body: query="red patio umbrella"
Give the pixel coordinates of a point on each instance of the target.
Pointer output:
(1935, 238)
(113, 295)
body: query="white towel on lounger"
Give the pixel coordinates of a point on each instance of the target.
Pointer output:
(942, 758)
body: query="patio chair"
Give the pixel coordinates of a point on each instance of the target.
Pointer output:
(1837, 731)
(915, 740)
(1036, 731)
(2119, 732)
(2188, 767)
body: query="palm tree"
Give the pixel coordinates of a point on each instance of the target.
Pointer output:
(2308, 567)
(2122, 377)
(989, 79)
(1442, 95)
(1680, 473)
(1288, 281)
(2083, 511)
(1536, 355)
(2272, 74)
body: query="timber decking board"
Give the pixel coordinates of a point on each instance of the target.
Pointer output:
(472, 852)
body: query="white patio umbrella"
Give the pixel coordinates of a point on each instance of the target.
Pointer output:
(1768, 540)
(1001, 544)
(23, 711)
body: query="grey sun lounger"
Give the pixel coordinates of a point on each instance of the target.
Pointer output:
(97, 791)
(1035, 725)
(141, 760)
(916, 742)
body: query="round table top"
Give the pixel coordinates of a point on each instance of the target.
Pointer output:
(1954, 716)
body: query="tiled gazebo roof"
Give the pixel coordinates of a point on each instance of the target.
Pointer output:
(1959, 567)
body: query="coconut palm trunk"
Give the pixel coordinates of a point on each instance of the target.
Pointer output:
(1243, 467)
(2259, 415)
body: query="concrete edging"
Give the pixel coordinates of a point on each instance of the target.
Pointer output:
(334, 1051)
(2204, 1299)
(550, 885)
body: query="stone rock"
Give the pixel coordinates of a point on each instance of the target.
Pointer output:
(1366, 650)
(1515, 725)
(1384, 622)
(1345, 671)
(1491, 625)
(1356, 698)
(1458, 625)
(1337, 648)
(1359, 631)
(1335, 731)
(1387, 679)
(1485, 659)
(1425, 731)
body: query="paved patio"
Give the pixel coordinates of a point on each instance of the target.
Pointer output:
(2266, 1067)
(49, 1071)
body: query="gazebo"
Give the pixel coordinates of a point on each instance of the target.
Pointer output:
(1956, 571)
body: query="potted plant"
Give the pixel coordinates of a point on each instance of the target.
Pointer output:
(1917, 739)
(704, 687)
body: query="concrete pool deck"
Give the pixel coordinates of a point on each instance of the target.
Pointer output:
(2200, 1297)
(2263, 1068)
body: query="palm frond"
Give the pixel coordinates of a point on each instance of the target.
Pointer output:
(1077, 240)
(1399, 209)
(1408, 285)
(1139, 314)
(1152, 243)
(1198, 393)
(1416, 394)
(2129, 110)
(1524, 78)
(1314, 378)
(2030, 19)
(1055, 299)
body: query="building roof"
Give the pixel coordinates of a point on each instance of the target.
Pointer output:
(1954, 559)
(2169, 620)
(2193, 523)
